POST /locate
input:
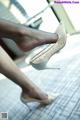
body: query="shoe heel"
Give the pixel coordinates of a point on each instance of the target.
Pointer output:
(42, 66)
(25, 102)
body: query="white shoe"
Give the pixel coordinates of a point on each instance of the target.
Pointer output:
(40, 60)
(26, 99)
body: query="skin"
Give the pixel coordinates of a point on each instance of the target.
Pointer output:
(26, 38)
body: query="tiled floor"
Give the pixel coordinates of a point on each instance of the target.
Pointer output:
(65, 81)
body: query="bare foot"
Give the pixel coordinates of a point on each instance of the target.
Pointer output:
(31, 38)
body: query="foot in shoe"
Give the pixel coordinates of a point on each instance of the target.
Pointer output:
(50, 98)
(29, 38)
(44, 56)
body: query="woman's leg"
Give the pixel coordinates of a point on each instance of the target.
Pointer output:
(25, 37)
(11, 71)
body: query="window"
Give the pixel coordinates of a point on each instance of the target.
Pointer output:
(73, 11)
(32, 7)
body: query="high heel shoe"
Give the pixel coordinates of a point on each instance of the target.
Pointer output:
(40, 60)
(26, 99)
(41, 64)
